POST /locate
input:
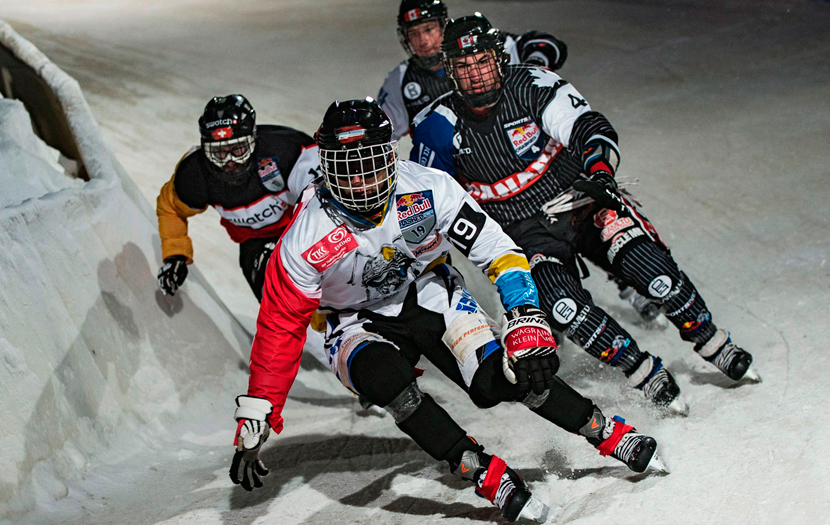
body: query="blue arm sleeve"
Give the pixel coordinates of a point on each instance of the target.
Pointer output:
(432, 143)
(517, 288)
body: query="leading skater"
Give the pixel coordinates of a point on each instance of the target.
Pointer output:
(367, 247)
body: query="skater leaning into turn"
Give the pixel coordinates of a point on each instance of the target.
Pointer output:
(530, 150)
(251, 174)
(367, 248)
(420, 79)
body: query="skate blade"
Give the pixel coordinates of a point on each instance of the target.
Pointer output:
(658, 323)
(656, 464)
(752, 375)
(678, 407)
(534, 510)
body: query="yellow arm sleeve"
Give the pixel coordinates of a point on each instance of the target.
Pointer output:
(172, 217)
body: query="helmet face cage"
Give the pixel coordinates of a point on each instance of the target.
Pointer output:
(472, 36)
(361, 179)
(238, 150)
(479, 80)
(429, 61)
(416, 13)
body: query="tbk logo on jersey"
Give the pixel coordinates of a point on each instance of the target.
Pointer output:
(330, 249)
(349, 134)
(269, 174)
(416, 215)
(523, 137)
(222, 133)
(412, 90)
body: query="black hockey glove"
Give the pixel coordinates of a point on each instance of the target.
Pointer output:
(530, 359)
(258, 271)
(172, 274)
(246, 467)
(601, 187)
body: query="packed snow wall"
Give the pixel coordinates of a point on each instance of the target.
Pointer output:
(92, 355)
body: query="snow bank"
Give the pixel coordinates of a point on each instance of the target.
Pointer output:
(91, 354)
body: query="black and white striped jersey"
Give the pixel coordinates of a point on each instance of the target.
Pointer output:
(528, 150)
(409, 88)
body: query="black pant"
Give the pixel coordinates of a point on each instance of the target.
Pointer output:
(253, 258)
(625, 246)
(417, 332)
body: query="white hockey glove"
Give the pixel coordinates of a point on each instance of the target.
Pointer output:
(172, 274)
(530, 359)
(252, 415)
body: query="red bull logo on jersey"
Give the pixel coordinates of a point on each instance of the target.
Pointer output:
(523, 137)
(416, 215)
(412, 204)
(330, 249)
(268, 169)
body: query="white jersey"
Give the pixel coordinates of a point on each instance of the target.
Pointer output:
(350, 269)
(328, 264)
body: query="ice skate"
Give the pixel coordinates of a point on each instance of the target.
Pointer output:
(502, 486)
(612, 437)
(659, 386)
(730, 358)
(646, 308)
(370, 408)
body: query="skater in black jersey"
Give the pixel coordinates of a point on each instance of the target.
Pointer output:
(529, 148)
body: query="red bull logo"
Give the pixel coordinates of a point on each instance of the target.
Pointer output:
(412, 204)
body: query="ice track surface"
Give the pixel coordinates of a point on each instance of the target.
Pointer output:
(724, 116)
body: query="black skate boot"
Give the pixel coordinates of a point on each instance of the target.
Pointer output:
(730, 358)
(612, 437)
(501, 485)
(658, 385)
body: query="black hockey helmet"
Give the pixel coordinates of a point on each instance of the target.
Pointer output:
(414, 12)
(228, 129)
(470, 35)
(358, 157)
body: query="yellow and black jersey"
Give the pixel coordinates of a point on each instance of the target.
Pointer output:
(285, 161)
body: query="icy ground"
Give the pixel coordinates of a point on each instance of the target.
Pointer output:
(724, 115)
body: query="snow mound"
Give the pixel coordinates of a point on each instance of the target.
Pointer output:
(93, 359)
(23, 154)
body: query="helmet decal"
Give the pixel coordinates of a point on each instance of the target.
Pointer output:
(222, 133)
(348, 134)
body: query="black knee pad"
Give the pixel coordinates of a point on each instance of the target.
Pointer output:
(489, 386)
(380, 373)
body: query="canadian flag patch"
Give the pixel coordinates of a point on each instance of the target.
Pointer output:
(330, 249)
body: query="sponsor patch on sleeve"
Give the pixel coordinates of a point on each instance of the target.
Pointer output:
(330, 249)
(466, 227)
